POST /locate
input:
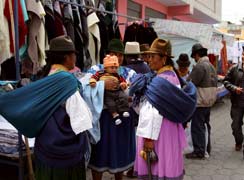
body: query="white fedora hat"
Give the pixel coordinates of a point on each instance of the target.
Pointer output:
(132, 48)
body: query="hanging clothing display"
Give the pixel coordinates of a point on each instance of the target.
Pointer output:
(94, 38)
(4, 35)
(108, 28)
(90, 28)
(8, 9)
(224, 59)
(36, 40)
(137, 32)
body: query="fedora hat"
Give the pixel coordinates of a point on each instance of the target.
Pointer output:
(132, 48)
(144, 48)
(183, 60)
(196, 48)
(116, 45)
(161, 46)
(62, 44)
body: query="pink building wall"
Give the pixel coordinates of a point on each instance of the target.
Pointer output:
(178, 12)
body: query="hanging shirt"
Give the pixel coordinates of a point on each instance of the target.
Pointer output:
(36, 40)
(4, 36)
(21, 24)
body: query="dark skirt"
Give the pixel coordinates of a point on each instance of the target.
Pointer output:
(115, 152)
(44, 172)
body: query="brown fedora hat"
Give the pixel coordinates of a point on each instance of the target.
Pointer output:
(144, 48)
(161, 46)
(62, 44)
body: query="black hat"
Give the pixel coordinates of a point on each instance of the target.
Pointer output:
(62, 44)
(195, 48)
(183, 60)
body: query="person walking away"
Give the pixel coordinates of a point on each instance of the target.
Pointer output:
(204, 77)
(234, 82)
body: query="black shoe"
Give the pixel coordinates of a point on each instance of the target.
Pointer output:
(130, 173)
(194, 155)
(238, 147)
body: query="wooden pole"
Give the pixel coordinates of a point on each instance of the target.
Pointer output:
(30, 167)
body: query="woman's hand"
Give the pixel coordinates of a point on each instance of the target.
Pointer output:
(123, 85)
(148, 144)
(111, 84)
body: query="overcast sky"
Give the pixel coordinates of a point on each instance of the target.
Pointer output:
(232, 10)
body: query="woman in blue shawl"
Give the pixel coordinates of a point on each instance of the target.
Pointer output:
(115, 152)
(165, 103)
(61, 145)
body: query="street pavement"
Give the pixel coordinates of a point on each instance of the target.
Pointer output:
(224, 162)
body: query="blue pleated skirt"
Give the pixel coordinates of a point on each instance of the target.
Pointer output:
(115, 152)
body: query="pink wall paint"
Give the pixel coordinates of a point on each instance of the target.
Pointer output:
(122, 9)
(153, 5)
(179, 12)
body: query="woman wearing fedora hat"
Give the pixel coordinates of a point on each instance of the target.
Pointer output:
(115, 151)
(61, 145)
(160, 131)
(52, 110)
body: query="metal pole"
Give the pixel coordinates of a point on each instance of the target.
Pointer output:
(16, 35)
(104, 11)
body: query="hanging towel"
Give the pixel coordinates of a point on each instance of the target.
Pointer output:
(28, 108)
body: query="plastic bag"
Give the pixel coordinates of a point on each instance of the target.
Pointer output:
(189, 147)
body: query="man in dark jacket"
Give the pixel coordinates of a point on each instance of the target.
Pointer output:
(204, 77)
(234, 82)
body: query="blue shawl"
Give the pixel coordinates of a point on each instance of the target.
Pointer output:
(175, 104)
(94, 99)
(28, 108)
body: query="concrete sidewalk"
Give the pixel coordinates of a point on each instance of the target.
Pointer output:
(224, 163)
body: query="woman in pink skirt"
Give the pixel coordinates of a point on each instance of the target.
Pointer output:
(160, 119)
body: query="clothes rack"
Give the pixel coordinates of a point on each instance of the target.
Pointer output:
(17, 64)
(15, 12)
(104, 11)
